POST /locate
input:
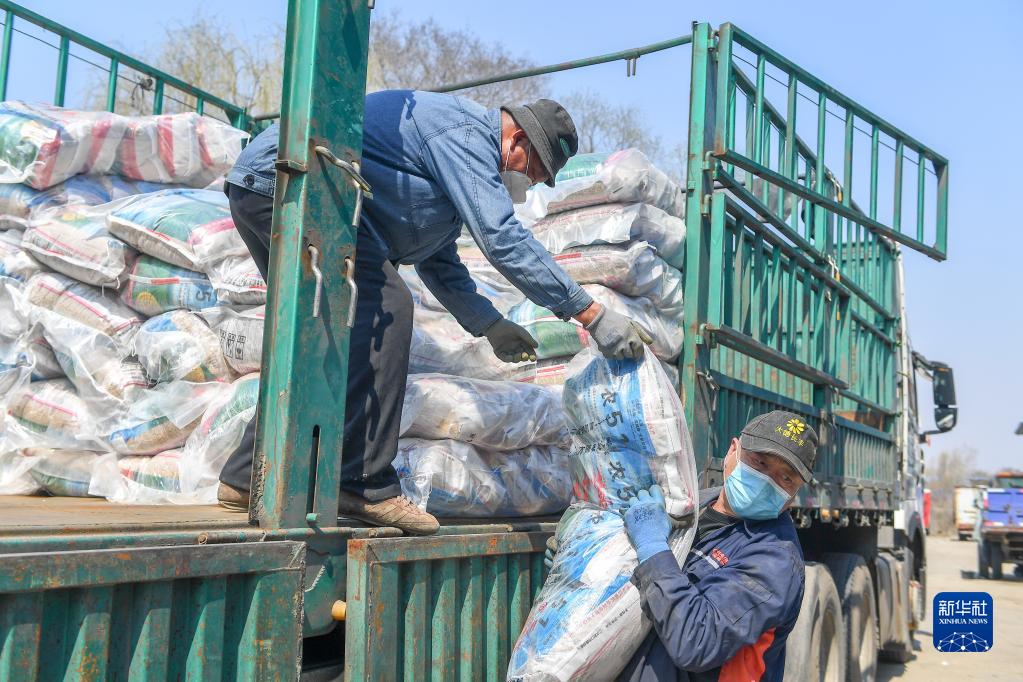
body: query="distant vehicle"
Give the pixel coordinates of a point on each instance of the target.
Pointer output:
(1001, 531)
(927, 511)
(966, 505)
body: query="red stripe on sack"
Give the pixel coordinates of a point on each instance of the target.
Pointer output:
(165, 144)
(47, 156)
(100, 131)
(129, 152)
(204, 150)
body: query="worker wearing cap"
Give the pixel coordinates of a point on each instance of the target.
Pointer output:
(435, 162)
(725, 613)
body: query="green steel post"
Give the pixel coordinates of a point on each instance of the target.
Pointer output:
(199, 105)
(820, 239)
(112, 85)
(158, 97)
(921, 194)
(5, 53)
(58, 95)
(875, 139)
(941, 217)
(789, 170)
(695, 359)
(298, 454)
(897, 194)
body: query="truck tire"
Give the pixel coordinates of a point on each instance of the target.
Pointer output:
(815, 649)
(859, 614)
(983, 564)
(995, 558)
(896, 643)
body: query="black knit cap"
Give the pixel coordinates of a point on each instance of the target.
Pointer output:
(551, 132)
(784, 434)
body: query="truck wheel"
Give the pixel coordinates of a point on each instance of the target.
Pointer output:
(859, 614)
(896, 645)
(995, 558)
(815, 649)
(982, 560)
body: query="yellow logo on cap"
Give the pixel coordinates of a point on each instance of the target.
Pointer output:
(792, 430)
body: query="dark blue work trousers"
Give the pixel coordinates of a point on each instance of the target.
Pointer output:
(378, 358)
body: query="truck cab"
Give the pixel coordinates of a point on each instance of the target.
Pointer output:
(1001, 526)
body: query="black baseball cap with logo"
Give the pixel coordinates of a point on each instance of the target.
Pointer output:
(550, 130)
(786, 435)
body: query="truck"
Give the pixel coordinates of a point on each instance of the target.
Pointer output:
(966, 505)
(794, 299)
(1001, 526)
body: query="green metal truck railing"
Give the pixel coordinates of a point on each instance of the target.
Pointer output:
(66, 37)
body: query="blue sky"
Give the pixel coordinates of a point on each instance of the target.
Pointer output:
(946, 72)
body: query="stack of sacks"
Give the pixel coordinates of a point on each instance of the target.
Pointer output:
(477, 448)
(103, 355)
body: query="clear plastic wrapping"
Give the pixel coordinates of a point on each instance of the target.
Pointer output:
(241, 335)
(558, 338)
(180, 345)
(64, 473)
(628, 433)
(624, 176)
(188, 228)
(15, 263)
(237, 281)
(42, 145)
(89, 305)
(16, 472)
(500, 415)
(75, 242)
(615, 224)
(161, 419)
(49, 414)
(449, 478)
(156, 287)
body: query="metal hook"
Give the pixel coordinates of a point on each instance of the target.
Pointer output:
(353, 288)
(314, 256)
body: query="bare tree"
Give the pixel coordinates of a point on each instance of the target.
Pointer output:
(952, 468)
(605, 127)
(425, 55)
(204, 52)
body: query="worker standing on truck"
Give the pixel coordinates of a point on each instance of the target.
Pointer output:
(434, 162)
(726, 612)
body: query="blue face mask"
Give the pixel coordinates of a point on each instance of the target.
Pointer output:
(754, 495)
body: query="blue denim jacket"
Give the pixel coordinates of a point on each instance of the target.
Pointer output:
(434, 162)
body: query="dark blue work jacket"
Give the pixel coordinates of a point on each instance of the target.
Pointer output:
(726, 613)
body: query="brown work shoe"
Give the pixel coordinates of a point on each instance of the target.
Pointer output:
(398, 512)
(233, 499)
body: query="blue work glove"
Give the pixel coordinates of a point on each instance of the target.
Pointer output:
(511, 343)
(647, 523)
(617, 336)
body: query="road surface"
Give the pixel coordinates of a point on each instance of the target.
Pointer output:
(950, 568)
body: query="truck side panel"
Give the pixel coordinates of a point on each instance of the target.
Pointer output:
(210, 612)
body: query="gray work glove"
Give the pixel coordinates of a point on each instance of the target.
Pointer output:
(511, 342)
(617, 336)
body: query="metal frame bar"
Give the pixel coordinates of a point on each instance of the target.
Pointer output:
(235, 113)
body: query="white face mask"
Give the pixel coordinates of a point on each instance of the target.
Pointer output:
(517, 183)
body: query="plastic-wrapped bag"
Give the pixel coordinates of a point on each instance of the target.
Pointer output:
(15, 473)
(241, 335)
(624, 176)
(179, 345)
(20, 203)
(628, 433)
(455, 479)
(178, 226)
(49, 414)
(75, 242)
(84, 303)
(15, 263)
(500, 415)
(440, 345)
(46, 364)
(64, 473)
(238, 281)
(156, 287)
(615, 224)
(558, 338)
(161, 419)
(218, 434)
(140, 479)
(16, 359)
(42, 145)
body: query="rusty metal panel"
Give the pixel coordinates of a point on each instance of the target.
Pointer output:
(205, 612)
(439, 608)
